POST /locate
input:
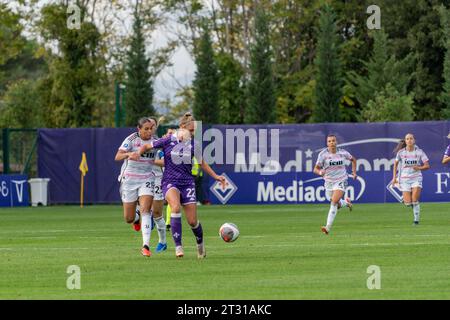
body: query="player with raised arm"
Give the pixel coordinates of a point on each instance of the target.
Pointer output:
(136, 178)
(178, 183)
(410, 161)
(330, 165)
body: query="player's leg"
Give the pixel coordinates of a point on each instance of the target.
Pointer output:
(335, 199)
(173, 200)
(157, 210)
(145, 202)
(190, 211)
(415, 198)
(168, 212)
(129, 196)
(189, 203)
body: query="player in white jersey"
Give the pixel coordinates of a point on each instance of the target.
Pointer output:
(331, 164)
(410, 160)
(137, 179)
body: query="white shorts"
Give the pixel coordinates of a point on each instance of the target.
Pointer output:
(156, 189)
(407, 185)
(130, 191)
(333, 186)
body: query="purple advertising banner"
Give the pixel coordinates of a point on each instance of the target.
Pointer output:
(263, 164)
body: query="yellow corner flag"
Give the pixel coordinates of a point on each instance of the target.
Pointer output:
(84, 169)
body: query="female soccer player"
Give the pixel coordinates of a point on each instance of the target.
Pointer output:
(178, 183)
(137, 179)
(410, 160)
(446, 158)
(331, 166)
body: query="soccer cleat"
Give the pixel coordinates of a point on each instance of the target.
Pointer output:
(146, 251)
(179, 253)
(349, 203)
(161, 247)
(416, 223)
(168, 227)
(325, 230)
(137, 224)
(201, 251)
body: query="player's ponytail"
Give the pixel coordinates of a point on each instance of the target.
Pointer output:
(401, 145)
(186, 119)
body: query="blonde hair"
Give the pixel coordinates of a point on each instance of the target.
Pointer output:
(185, 119)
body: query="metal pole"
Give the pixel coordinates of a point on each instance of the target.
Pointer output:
(117, 115)
(5, 137)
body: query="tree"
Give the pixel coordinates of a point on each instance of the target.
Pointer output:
(445, 94)
(329, 78)
(390, 105)
(231, 98)
(77, 69)
(139, 90)
(380, 70)
(206, 82)
(260, 88)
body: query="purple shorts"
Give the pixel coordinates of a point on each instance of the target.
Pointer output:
(187, 191)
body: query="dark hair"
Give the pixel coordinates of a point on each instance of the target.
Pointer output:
(144, 120)
(401, 144)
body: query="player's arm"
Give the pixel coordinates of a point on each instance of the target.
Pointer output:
(425, 166)
(143, 149)
(211, 172)
(353, 160)
(122, 155)
(394, 177)
(445, 159)
(159, 162)
(318, 170)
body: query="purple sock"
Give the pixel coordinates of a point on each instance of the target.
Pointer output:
(198, 233)
(175, 227)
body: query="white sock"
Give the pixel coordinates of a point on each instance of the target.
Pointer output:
(161, 227)
(343, 203)
(331, 215)
(416, 211)
(146, 227)
(136, 215)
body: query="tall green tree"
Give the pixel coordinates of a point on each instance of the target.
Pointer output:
(206, 82)
(260, 88)
(77, 70)
(379, 70)
(231, 98)
(329, 80)
(139, 87)
(445, 94)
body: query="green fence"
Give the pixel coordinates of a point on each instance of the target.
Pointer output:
(19, 151)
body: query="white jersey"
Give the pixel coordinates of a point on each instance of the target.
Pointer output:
(157, 170)
(334, 164)
(142, 169)
(407, 160)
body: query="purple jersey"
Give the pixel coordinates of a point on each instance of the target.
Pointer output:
(447, 151)
(177, 159)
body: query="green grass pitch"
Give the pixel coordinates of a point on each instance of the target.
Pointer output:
(280, 254)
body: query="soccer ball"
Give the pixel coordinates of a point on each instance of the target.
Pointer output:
(229, 232)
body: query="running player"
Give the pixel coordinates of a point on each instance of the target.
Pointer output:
(136, 178)
(178, 183)
(330, 165)
(446, 158)
(410, 160)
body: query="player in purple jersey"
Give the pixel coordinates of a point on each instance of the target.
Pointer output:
(178, 183)
(410, 161)
(446, 158)
(331, 165)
